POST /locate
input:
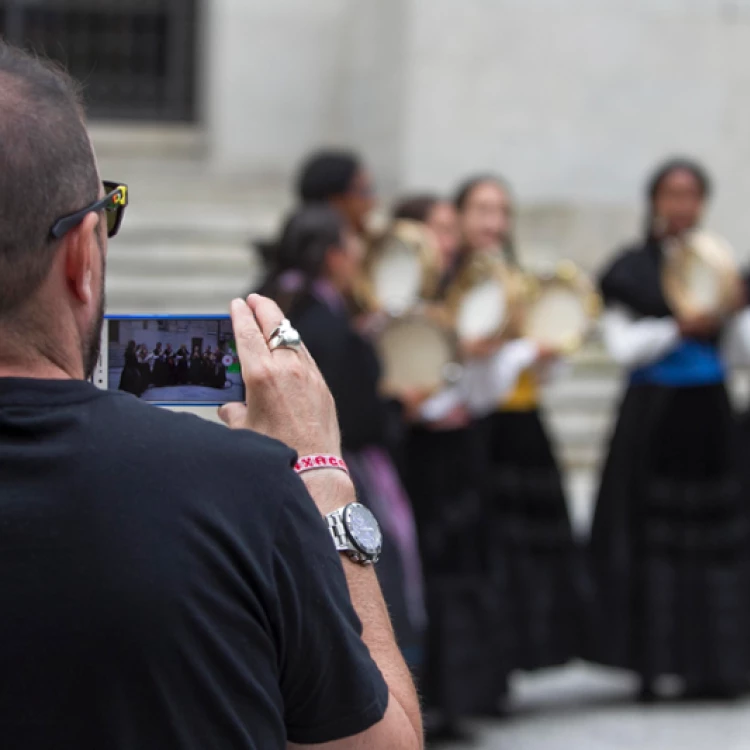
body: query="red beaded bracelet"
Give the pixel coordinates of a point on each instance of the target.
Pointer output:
(311, 463)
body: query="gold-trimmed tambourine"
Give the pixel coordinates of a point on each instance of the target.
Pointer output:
(699, 275)
(561, 307)
(400, 270)
(418, 354)
(483, 301)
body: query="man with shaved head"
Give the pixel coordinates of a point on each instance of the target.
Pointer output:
(212, 612)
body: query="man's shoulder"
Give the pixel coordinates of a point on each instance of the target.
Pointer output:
(187, 440)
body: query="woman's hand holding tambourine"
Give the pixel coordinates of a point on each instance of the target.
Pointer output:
(547, 354)
(371, 324)
(412, 400)
(739, 300)
(458, 418)
(479, 348)
(700, 325)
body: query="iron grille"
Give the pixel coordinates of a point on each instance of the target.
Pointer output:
(136, 58)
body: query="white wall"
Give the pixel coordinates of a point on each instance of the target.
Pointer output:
(272, 67)
(574, 100)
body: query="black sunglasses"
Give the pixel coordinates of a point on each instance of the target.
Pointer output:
(113, 204)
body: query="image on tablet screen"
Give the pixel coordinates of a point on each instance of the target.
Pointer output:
(174, 360)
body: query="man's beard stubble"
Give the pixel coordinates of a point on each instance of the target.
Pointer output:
(92, 344)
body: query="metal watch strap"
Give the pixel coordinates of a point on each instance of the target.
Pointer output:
(338, 530)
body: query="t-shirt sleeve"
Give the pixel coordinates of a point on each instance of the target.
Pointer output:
(331, 687)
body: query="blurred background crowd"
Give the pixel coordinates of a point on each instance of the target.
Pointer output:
(210, 110)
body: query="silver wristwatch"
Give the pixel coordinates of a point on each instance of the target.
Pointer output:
(356, 532)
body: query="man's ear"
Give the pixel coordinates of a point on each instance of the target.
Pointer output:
(82, 258)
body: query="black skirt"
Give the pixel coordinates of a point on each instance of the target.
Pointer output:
(131, 380)
(398, 569)
(541, 562)
(466, 653)
(669, 545)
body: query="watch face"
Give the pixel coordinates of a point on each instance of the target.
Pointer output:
(364, 529)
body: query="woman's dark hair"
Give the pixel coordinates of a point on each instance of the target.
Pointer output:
(327, 174)
(679, 165)
(467, 187)
(461, 198)
(308, 234)
(416, 207)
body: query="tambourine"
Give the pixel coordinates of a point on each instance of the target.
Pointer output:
(699, 274)
(561, 308)
(401, 269)
(417, 353)
(483, 300)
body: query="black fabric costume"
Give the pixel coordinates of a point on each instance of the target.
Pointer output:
(542, 580)
(669, 544)
(469, 644)
(160, 373)
(195, 374)
(351, 369)
(131, 380)
(182, 365)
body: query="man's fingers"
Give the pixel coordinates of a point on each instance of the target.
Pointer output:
(252, 348)
(267, 313)
(233, 415)
(269, 317)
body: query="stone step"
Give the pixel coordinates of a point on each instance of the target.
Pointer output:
(161, 260)
(579, 428)
(205, 295)
(161, 276)
(587, 458)
(583, 391)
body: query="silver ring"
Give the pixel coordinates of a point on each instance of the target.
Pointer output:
(285, 337)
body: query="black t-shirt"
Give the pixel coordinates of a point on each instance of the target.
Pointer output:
(165, 583)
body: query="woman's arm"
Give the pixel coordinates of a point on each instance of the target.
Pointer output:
(633, 343)
(487, 382)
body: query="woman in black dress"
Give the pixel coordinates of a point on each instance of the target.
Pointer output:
(182, 358)
(465, 669)
(131, 380)
(207, 368)
(170, 362)
(540, 571)
(318, 258)
(160, 372)
(670, 541)
(196, 366)
(144, 366)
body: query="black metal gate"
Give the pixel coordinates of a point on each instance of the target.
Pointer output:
(136, 58)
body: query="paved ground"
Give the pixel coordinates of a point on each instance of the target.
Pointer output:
(583, 708)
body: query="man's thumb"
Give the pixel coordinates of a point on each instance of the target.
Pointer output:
(233, 415)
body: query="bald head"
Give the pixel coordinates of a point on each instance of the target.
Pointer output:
(47, 170)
